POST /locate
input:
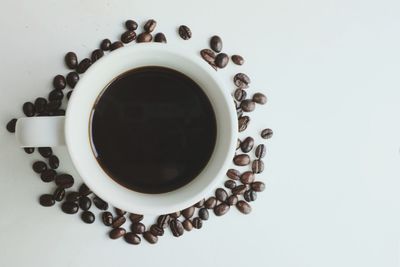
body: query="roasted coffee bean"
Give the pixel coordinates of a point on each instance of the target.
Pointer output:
(39, 166)
(87, 217)
(54, 162)
(73, 196)
(131, 238)
(128, 36)
(119, 212)
(59, 82)
(11, 125)
(233, 174)
(176, 227)
(84, 190)
(46, 200)
(160, 38)
(96, 55)
(232, 200)
(117, 233)
(187, 224)
(237, 59)
(257, 166)
(135, 217)
(138, 228)
(241, 160)
(131, 25)
(45, 151)
(69, 94)
(259, 98)
(200, 204)
(239, 190)
(149, 237)
(71, 60)
(48, 175)
(257, 186)
(144, 37)
(59, 194)
(118, 222)
(105, 44)
(156, 230)
(240, 94)
(29, 109)
(175, 214)
(250, 195)
(83, 65)
(85, 203)
(163, 220)
(188, 212)
(184, 32)
(266, 133)
(203, 214)
(197, 223)
(210, 203)
(260, 151)
(107, 218)
(247, 177)
(29, 150)
(221, 209)
(221, 194)
(238, 142)
(243, 207)
(150, 25)
(241, 80)
(209, 56)
(59, 112)
(69, 207)
(99, 203)
(72, 79)
(216, 43)
(40, 104)
(243, 122)
(248, 105)
(64, 180)
(53, 105)
(230, 184)
(221, 60)
(247, 144)
(56, 95)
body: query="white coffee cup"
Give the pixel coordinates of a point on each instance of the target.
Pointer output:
(73, 129)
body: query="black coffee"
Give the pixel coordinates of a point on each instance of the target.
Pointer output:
(153, 129)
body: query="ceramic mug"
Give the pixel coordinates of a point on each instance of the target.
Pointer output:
(72, 129)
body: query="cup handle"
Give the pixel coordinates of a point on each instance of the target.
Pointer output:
(40, 131)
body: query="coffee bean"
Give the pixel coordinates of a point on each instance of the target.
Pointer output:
(239, 190)
(203, 214)
(243, 207)
(105, 44)
(156, 230)
(184, 32)
(118, 222)
(260, 151)
(11, 125)
(69, 94)
(107, 218)
(53, 105)
(48, 175)
(258, 186)
(87, 217)
(138, 228)
(39, 166)
(128, 36)
(117, 233)
(250, 195)
(259, 98)
(71, 60)
(40, 104)
(200, 204)
(84, 190)
(131, 25)
(99, 203)
(135, 217)
(175, 214)
(46, 200)
(230, 184)
(247, 177)
(187, 224)
(188, 212)
(232, 200)
(59, 194)
(59, 112)
(238, 142)
(240, 94)
(176, 227)
(64, 180)
(83, 65)
(160, 38)
(221, 194)
(59, 82)
(29, 109)
(248, 105)
(69, 207)
(96, 55)
(221, 209)
(233, 174)
(54, 162)
(144, 37)
(56, 95)
(237, 59)
(45, 151)
(257, 166)
(221, 60)
(73, 197)
(149, 237)
(29, 150)
(241, 80)
(243, 122)
(216, 43)
(163, 220)
(85, 203)
(209, 56)
(131, 238)
(241, 160)
(210, 203)
(247, 144)
(266, 133)
(197, 222)
(150, 25)
(119, 212)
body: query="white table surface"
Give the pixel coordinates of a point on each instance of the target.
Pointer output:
(331, 72)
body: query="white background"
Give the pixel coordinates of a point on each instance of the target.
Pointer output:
(331, 72)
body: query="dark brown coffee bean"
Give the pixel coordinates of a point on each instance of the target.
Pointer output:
(150, 25)
(116, 45)
(233, 174)
(54, 162)
(188, 212)
(258, 186)
(149, 237)
(11, 125)
(46, 200)
(85, 203)
(45, 151)
(64, 180)
(131, 25)
(59, 112)
(184, 32)
(250, 195)
(266, 133)
(176, 227)
(237, 59)
(197, 222)
(230, 184)
(59, 82)
(73, 197)
(84, 190)
(135, 217)
(56, 95)
(210, 203)
(221, 60)
(39, 166)
(232, 200)
(117, 233)
(160, 38)
(99, 203)
(175, 214)
(107, 218)
(96, 55)
(131, 238)
(187, 224)
(118, 222)
(83, 65)
(29, 150)
(247, 177)
(144, 37)
(163, 220)
(88, 217)
(156, 230)
(71, 60)
(243, 122)
(209, 56)
(53, 105)
(259, 98)
(239, 190)
(59, 194)
(119, 212)
(29, 109)
(69, 207)
(105, 45)
(221, 209)
(128, 36)
(40, 104)
(240, 94)
(260, 151)
(200, 204)
(243, 207)
(248, 105)
(221, 194)
(203, 214)
(241, 80)
(48, 175)
(138, 228)
(257, 166)
(238, 142)
(247, 144)
(216, 43)
(241, 160)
